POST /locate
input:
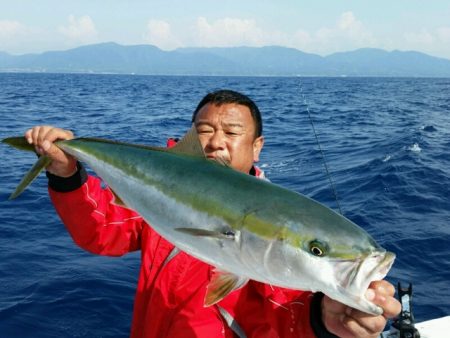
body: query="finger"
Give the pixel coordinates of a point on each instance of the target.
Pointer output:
(34, 134)
(35, 139)
(383, 286)
(355, 329)
(333, 306)
(55, 134)
(370, 324)
(51, 150)
(391, 306)
(28, 136)
(52, 135)
(384, 297)
(43, 131)
(40, 137)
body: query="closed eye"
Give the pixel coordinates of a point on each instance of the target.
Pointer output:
(204, 131)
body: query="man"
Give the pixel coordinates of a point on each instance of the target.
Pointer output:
(172, 284)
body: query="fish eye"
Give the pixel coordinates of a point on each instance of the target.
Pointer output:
(317, 248)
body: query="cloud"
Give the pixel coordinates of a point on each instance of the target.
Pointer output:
(348, 23)
(10, 29)
(435, 41)
(443, 34)
(228, 32)
(159, 33)
(424, 37)
(224, 32)
(14, 36)
(80, 30)
(348, 33)
(301, 39)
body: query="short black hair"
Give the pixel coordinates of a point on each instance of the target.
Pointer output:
(225, 96)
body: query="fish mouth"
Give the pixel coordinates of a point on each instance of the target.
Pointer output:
(372, 267)
(356, 277)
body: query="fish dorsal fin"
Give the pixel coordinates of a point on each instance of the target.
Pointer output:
(189, 144)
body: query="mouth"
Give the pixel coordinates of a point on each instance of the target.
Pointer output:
(219, 159)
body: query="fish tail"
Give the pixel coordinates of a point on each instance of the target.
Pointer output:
(19, 143)
(42, 162)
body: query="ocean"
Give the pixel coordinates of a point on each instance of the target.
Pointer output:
(386, 142)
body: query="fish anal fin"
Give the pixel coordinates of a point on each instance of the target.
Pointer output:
(189, 144)
(29, 177)
(221, 284)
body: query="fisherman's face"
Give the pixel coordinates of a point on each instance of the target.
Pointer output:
(227, 132)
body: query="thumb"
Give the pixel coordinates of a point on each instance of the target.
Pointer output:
(62, 164)
(51, 150)
(46, 145)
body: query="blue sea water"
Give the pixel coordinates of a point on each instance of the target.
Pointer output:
(386, 141)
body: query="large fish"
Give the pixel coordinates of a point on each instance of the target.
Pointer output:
(246, 227)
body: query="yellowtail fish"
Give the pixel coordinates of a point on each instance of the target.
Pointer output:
(246, 227)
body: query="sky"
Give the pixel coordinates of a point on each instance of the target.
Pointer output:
(316, 26)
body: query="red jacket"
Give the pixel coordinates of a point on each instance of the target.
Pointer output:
(170, 293)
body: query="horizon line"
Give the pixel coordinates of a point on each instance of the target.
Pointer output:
(223, 47)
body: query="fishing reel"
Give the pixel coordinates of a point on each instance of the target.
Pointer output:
(403, 325)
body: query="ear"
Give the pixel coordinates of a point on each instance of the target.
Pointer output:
(258, 144)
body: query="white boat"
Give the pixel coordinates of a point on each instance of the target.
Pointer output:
(434, 328)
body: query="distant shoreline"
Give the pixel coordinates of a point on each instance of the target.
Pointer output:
(271, 61)
(237, 76)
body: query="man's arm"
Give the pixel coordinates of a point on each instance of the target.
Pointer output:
(93, 219)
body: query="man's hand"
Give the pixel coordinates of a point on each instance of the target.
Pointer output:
(344, 321)
(42, 137)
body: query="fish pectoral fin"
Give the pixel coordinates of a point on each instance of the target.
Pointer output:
(207, 233)
(35, 170)
(189, 144)
(221, 284)
(19, 142)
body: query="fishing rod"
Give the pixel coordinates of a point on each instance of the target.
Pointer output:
(403, 326)
(330, 179)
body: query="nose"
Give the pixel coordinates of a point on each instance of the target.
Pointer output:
(216, 141)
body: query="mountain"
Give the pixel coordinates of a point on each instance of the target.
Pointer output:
(114, 58)
(377, 62)
(248, 61)
(263, 60)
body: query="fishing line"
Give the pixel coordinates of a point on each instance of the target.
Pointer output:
(330, 179)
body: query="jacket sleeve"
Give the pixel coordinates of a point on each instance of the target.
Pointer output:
(90, 214)
(265, 311)
(301, 314)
